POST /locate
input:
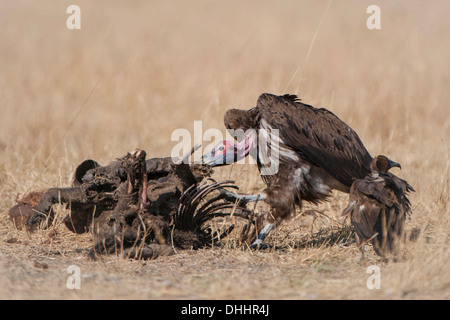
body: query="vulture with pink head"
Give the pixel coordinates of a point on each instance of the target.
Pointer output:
(302, 153)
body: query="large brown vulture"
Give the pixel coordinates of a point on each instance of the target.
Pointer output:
(310, 152)
(378, 206)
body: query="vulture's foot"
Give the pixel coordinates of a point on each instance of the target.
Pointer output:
(259, 245)
(361, 256)
(242, 200)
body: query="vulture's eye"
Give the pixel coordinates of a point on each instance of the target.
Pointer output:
(221, 148)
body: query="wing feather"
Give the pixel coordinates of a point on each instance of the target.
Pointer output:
(317, 136)
(378, 205)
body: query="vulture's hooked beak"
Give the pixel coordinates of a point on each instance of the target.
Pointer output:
(215, 158)
(228, 152)
(393, 164)
(211, 160)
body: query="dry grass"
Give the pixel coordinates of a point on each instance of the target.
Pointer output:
(136, 72)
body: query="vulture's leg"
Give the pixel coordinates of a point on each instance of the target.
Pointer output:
(259, 242)
(242, 200)
(361, 256)
(360, 244)
(281, 200)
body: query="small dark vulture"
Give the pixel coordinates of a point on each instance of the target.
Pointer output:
(378, 206)
(302, 153)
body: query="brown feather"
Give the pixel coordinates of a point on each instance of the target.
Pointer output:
(329, 143)
(317, 135)
(378, 207)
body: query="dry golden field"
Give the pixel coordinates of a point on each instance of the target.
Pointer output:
(138, 70)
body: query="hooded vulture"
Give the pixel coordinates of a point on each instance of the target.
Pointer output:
(302, 153)
(378, 206)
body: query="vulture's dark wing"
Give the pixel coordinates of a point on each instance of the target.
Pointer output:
(316, 135)
(400, 187)
(385, 188)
